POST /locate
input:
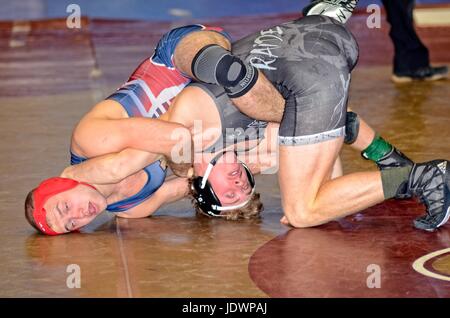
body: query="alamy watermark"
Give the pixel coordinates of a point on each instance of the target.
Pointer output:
(374, 278)
(74, 278)
(73, 21)
(374, 19)
(257, 145)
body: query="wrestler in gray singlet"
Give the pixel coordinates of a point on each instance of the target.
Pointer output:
(236, 126)
(309, 61)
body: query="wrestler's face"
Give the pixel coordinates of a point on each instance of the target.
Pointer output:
(72, 209)
(229, 181)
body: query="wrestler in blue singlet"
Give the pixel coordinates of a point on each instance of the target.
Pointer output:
(148, 93)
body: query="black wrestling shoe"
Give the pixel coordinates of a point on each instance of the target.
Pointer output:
(341, 10)
(428, 73)
(396, 159)
(430, 182)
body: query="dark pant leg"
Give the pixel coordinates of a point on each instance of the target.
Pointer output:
(410, 53)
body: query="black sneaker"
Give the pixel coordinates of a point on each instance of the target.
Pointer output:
(428, 73)
(340, 10)
(430, 182)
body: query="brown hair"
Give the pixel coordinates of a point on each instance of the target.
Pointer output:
(29, 207)
(251, 210)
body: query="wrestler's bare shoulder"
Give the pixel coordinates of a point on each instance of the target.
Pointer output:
(107, 109)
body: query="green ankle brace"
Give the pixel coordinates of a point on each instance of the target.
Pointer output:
(377, 149)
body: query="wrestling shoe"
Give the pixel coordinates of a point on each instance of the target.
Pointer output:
(428, 73)
(430, 182)
(340, 10)
(395, 159)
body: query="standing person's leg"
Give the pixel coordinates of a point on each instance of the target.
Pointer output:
(411, 57)
(410, 53)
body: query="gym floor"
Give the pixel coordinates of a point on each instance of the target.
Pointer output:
(50, 76)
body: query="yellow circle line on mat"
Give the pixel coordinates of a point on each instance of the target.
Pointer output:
(418, 265)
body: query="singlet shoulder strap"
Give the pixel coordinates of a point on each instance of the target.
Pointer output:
(156, 176)
(220, 97)
(76, 159)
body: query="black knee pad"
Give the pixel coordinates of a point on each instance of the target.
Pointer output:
(215, 65)
(351, 128)
(205, 63)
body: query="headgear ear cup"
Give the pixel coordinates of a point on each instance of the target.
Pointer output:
(206, 197)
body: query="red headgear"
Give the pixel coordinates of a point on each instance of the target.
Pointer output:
(43, 192)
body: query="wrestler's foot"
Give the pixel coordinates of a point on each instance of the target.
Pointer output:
(428, 73)
(396, 159)
(430, 182)
(341, 10)
(385, 156)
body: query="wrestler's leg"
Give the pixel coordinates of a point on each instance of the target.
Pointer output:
(201, 54)
(312, 133)
(309, 199)
(336, 173)
(311, 136)
(262, 92)
(358, 133)
(341, 10)
(372, 146)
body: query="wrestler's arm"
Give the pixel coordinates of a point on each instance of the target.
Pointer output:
(173, 189)
(187, 108)
(110, 168)
(97, 135)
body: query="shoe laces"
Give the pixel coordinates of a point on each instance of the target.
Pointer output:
(425, 189)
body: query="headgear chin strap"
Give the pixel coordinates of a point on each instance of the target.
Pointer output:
(207, 199)
(45, 191)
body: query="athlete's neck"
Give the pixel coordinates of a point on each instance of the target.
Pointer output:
(127, 187)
